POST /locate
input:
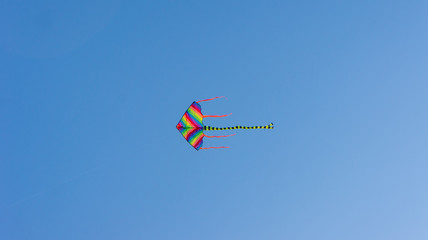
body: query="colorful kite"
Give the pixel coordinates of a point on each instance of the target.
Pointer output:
(192, 127)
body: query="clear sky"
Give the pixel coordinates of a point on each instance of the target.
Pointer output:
(91, 92)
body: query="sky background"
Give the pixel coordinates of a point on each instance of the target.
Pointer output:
(91, 92)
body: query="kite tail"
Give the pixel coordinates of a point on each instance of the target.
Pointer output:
(270, 126)
(213, 147)
(219, 136)
(217, 115)
(209, 99)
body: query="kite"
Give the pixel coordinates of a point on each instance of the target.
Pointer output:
(192, 128)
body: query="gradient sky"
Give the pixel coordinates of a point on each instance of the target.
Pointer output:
(91, 92)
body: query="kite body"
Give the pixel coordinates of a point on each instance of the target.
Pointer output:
(191, 125)
(192, 128)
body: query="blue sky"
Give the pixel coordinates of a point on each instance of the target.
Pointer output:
(92, 90)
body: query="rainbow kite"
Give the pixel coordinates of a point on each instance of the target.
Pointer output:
(192, 128)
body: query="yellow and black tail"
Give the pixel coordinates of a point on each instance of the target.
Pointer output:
(270, 126)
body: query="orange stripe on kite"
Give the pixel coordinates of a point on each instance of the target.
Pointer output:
(209, 99)
(213, 147)
(219, 136)
(218, 115)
